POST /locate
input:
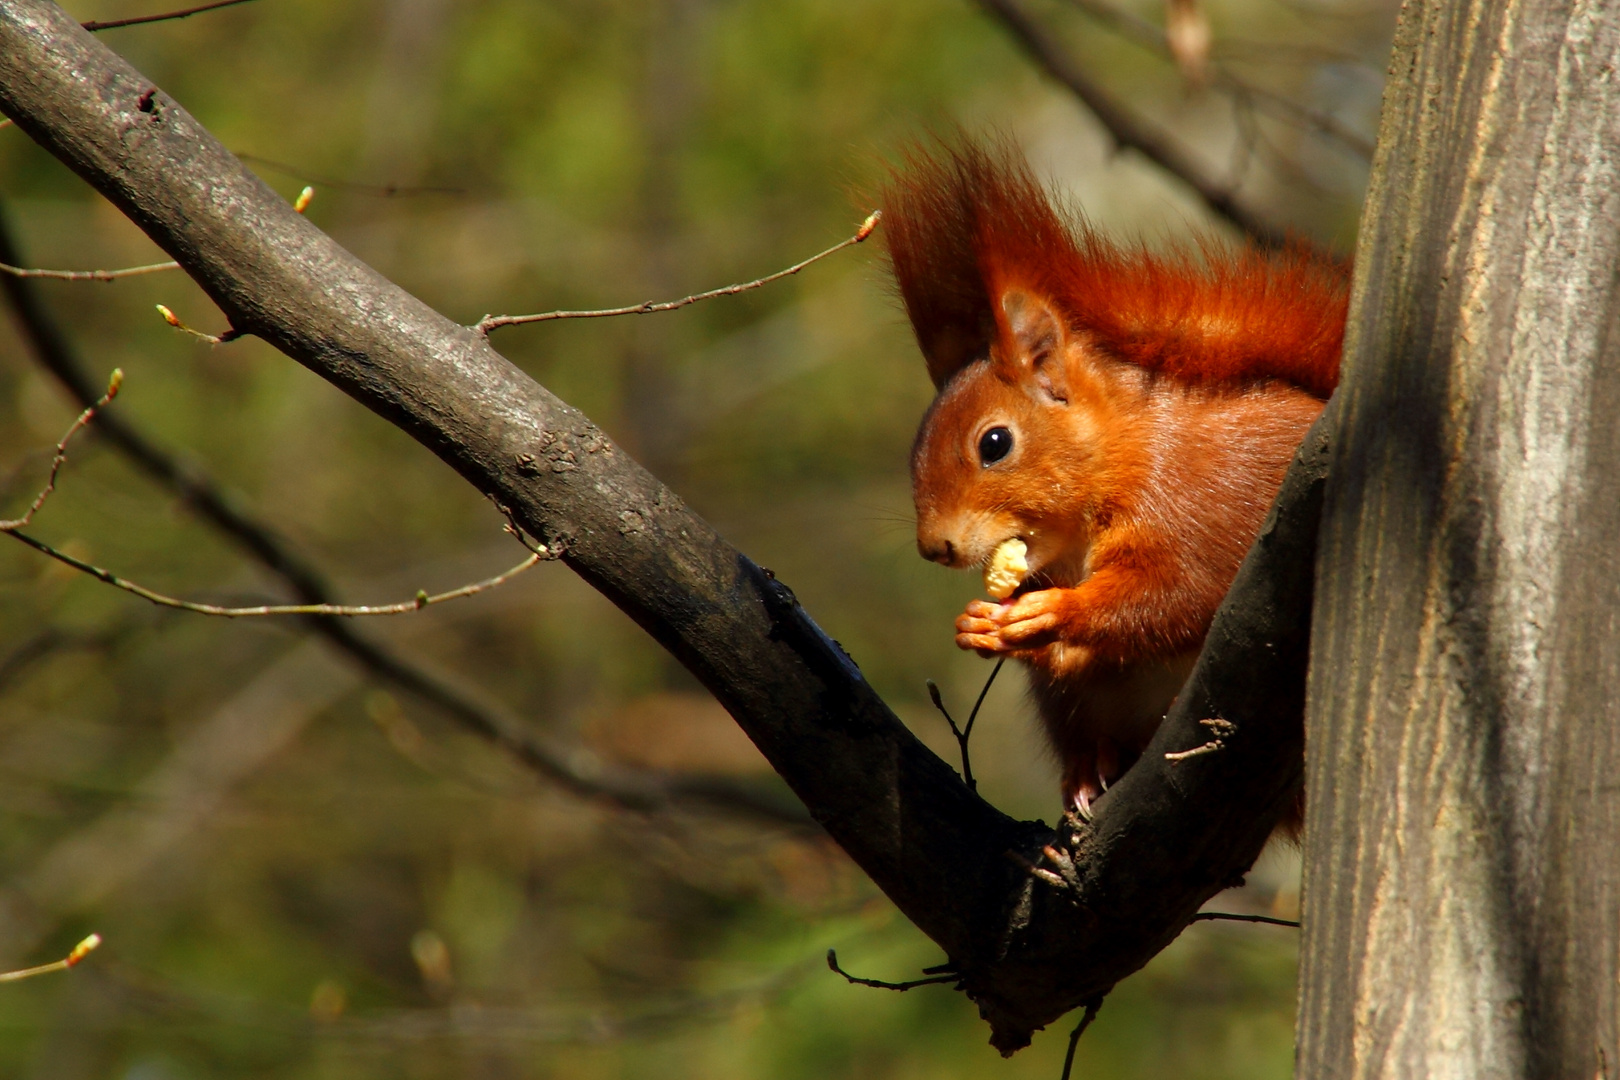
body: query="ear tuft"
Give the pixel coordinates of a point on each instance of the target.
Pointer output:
(948, 212)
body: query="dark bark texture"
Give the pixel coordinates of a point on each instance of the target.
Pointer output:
(1165, 839)
(1462, 890)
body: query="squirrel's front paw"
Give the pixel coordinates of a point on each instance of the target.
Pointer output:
(1032, 621)
(977, 629)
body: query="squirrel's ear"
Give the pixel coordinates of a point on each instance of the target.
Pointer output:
(1033, 341)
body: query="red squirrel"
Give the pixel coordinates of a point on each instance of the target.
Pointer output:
(1127, 415)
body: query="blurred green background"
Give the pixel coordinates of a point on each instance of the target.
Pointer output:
(301, 872)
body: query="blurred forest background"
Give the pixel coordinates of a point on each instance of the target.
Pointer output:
(303, 870)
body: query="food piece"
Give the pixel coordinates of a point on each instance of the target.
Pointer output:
(1006, 569)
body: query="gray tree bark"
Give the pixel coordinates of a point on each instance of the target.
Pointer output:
(1462, 870)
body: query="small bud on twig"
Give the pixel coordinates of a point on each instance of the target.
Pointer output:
(213, 339)
(80, 951)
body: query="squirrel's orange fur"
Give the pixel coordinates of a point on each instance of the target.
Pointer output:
(1151, 404)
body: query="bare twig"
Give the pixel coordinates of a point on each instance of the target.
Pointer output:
(80, 951)
(930, 980)
(345, 611)
(88, 275)
(964, 733)
(1132, 131)
(495, 322)
(1288, 52)
(642, 792)
(113, 24)
(300, 204)
(60, 456)
(1074, 1036)
(1227, 916)
(967, 732)
(1220, 730)
(385, 190)
(14, 529)
(195, 489)
(1299, 114)
(213, 339)
(1040, 872)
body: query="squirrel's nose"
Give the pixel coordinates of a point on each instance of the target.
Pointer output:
(937, 550)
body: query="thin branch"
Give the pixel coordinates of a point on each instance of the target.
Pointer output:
(60, 457)
(641, 792)
(961, 739)
(1244, 50)
(88, 275)
(346, 611)
(495, 322)
(1301, 115)
(1131, 131)
(385, 190)
(1219, 729)
(14, 529)
(113, 24)
(973, 716)
(931, 980)
(80, 951)
(1227, 916)
(1074, 1036)
(300, 204)
(964, 733)
(213, 339)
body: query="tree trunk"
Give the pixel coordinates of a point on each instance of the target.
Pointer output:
(1462, 863)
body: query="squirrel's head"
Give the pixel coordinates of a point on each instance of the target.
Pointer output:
(1012, 445)
(978, 253)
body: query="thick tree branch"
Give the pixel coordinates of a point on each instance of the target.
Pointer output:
(1130, 130)
(1165, 839)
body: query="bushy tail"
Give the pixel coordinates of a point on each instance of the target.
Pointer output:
(966, 222)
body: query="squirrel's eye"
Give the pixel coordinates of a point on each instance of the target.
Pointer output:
(994, 445)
